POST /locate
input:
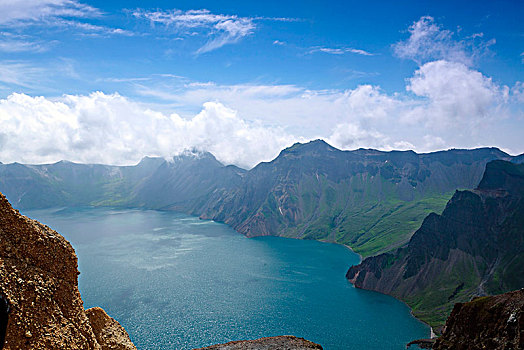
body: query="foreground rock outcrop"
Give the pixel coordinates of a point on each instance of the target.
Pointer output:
(494, 323)
(109, 333)
(473, 249)
(39, 285)
(287, 342)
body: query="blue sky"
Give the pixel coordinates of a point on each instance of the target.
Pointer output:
(244, 79)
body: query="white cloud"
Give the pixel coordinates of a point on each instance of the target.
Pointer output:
(456, 96)
(359, 52)
(21, 46)
(340, 51)
(20, 74)
(220, 29)
(447, 105)
(428, 41)
(10, 42)
(351, 136)
(517, 92)
(26, 76)
(25, 15)
(445, 100)
(91, 29)
(76, 128)
(434, 142)
(14, 12)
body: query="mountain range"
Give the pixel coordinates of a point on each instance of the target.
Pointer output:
(426, 236)
(370, 200)
(474, 248)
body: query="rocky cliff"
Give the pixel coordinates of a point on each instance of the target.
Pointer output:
(286, 342)
(495, 323)
(370, 200)
(474, 248)
(39, 291)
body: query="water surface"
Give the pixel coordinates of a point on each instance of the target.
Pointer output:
(177, 282)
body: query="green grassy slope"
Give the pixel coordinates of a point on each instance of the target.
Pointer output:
(369, 200)
(473, 248)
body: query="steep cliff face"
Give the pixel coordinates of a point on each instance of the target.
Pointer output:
(474, 248)
(38, 282)
(495, 323)
(287, 342)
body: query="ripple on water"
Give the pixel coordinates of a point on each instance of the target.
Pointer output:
(178, 282)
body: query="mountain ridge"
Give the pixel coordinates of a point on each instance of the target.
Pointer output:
(272, 199)
(368, 199)
(473, 248)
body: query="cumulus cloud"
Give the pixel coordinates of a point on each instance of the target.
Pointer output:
(448, 105)
(428, 41)
(111, 129)
(300, 108)
(351, 136)
(456, 96)
(221, 29)
(445, 100)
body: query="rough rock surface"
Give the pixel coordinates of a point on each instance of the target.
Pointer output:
(287, 342)
(39, 282)
(494, 323)
(109, 333)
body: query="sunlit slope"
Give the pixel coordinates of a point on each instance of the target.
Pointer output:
(474, 248)
(370, 200)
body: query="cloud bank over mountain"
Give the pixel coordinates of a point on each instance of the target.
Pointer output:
(111, 129)
(446, 102)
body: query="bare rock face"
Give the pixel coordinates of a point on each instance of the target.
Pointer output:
(109, 333)
(287, 342)
(474, 248)
(39, 286)
(495, 323)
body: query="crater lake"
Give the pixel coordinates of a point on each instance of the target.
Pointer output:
(177, 282)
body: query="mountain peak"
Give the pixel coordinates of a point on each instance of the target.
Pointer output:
(317, 145)
(194, 154)
(502, 175)
(151, 161)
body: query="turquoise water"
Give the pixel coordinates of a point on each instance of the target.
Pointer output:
(177, 282)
